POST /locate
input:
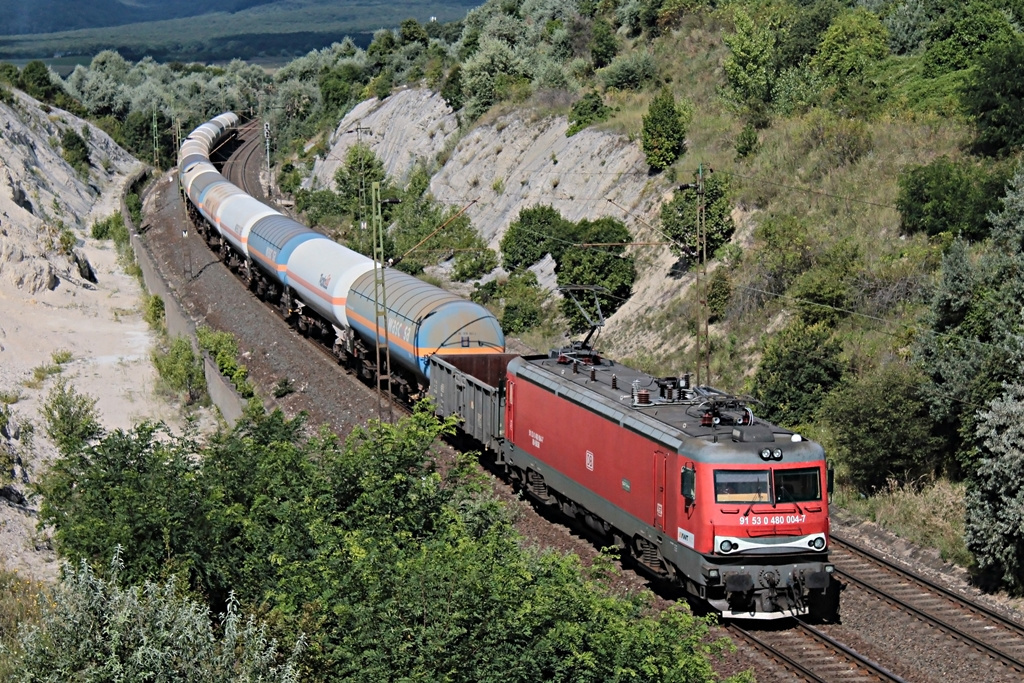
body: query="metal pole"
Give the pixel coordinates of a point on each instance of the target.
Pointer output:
(380, 302)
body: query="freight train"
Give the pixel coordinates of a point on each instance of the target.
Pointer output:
(685, 479)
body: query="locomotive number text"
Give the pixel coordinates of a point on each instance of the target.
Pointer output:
(763, 520)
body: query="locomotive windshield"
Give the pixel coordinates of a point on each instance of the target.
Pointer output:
(798, 486)
(742, 486)
(755, 486)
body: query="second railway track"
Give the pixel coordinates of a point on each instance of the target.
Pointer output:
(992, 642)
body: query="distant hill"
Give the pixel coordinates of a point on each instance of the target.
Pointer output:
(167, 30)
(18, 17)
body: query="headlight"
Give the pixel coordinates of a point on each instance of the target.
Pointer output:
(726, 546)
(818, 543)
(766, 454)
(830, 568)
(777, 454)
(712, 575)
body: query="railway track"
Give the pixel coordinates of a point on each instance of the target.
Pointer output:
(239, 167)
(808, 653)
(991, 642)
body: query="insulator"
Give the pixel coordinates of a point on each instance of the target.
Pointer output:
(685, 382)
(643, 397)
(615, 382)
(593, 374)
(707, 419)
(575, 368)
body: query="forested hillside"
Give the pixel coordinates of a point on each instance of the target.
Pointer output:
(858, 169)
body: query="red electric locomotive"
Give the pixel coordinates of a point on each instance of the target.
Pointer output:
(685, 478)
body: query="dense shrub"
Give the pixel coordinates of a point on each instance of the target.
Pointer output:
(537, 231)
(146, 632)
(630, 71)
(860, 416)
(181, 370)
(800, 366)
(993, 98)
(679, 217)
(606, 266)
(75, 150)
(953, 197)
(70, 418)
(854, 42)
(587, 110)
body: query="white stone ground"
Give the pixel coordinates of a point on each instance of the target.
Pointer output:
(101, 326)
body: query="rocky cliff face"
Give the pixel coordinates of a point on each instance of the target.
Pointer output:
(516, 161)
(40, 193)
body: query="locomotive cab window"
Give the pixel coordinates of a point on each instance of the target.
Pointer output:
(798, 486)
(742, 486)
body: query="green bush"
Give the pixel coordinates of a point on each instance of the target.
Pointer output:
(719, 294)
(70, 418)
(223, 348)
(153, 311)
(859, 416)
(992, 97)
(75, 150)
(952, 197)
(181, 370)
(147, 632)
(799, 367)
(134, 202)
(608, 267)
(587, 110)
(995, 495)
(630, 71)
(679, 217)
(537, 231)
(746, 142)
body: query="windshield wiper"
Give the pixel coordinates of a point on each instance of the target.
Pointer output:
(786, 494)
(754, 502)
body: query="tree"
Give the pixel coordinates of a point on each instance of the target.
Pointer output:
(800, 366)
(993, 98)
(679, 217)
(960, 35)
(537, 231)
(91, 629)
(71, 418)
(968, 346)
(410, 31)
(75, 149)
(603, 45)
(37, 81)
(861, 415)
(854, 42)
(664, 130)
(355, 179)
(752, 65)
(607, 267)
(587, 110)
(995, 493)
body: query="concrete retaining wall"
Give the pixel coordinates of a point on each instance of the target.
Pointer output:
(222, 391)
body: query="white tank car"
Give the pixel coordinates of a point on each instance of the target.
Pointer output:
(321, 272)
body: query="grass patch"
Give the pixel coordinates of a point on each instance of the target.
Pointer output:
(19, 608)
(9, 398)
(930, 515)
(62, 356)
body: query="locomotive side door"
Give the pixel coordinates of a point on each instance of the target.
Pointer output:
(660, 488)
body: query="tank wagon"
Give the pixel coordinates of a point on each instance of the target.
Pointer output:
(686, 479)
(324, 288)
